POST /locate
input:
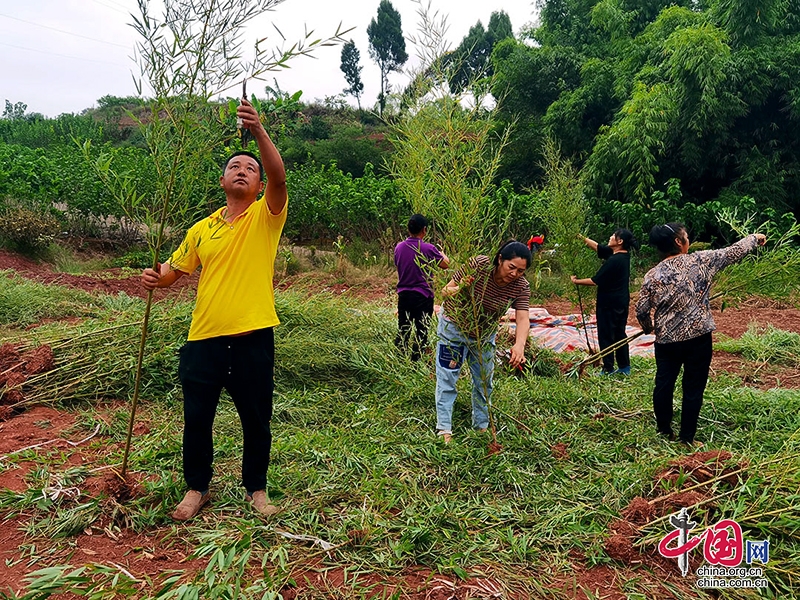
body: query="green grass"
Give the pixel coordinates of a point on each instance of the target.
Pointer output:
(765, 345)
(24, 302)
(354, 450)
(66, 260)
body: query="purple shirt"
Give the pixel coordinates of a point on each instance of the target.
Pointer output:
(415, 261)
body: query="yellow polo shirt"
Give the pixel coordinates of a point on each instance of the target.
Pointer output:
(235, 292)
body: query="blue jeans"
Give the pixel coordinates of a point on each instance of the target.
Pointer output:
(452, 350)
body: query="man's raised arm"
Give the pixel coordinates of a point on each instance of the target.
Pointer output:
(270, 157)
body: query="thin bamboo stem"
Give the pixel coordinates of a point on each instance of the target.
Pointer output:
(136, 384)
(583, 319)
(517, 421)
(702, 502)
(712, 480)
(744, 284)
(609, 349)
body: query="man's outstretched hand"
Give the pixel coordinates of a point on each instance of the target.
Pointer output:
(250, 119)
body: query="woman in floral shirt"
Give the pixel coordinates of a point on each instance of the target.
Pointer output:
(677, 291)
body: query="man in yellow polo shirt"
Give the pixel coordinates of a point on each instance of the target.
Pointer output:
(231, 343)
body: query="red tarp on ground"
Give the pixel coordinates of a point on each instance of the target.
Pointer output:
(565, 333)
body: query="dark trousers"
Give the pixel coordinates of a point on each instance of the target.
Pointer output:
(243, 365)
(695, 357)
(414, 313)
(611, 322)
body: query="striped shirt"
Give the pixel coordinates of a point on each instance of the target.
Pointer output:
(477, 308)
(677, 290)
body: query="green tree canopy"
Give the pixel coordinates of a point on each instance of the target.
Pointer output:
(387, 46)
(352, 70)
(690, 103)
(469, 63)
(14, 111)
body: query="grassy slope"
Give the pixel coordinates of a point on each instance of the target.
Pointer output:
(354, 451)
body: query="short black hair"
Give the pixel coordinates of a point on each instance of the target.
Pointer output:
(627, 238)
(513, 249)
(416, 224)
(663, 238)
(245, 153)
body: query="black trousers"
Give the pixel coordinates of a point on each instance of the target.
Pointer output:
(695, 357)
(244, 366)
(414, 313)
(611, 322)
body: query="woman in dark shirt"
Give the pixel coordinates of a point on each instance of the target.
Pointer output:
(676, 292)
(613, 295)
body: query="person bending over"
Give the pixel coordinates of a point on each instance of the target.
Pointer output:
(475, 299)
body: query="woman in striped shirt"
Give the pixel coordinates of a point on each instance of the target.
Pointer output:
(676, 290)
(475, 299)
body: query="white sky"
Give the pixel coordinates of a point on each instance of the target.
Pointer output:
(60, 56)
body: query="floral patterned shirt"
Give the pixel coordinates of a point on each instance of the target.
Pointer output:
(677, 290)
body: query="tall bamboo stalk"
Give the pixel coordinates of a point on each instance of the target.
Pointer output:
(583, 319)
(145, 321)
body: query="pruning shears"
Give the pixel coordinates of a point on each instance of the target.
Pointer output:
(245, 134)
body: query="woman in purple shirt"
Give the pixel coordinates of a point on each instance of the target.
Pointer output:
(415, 261)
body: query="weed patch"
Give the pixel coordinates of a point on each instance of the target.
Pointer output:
(765, 345)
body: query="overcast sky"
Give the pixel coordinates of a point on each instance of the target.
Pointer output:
(60, 56)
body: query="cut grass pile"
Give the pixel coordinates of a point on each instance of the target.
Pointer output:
(356, 464)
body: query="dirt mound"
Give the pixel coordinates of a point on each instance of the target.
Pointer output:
(12, 394)
(560, 451)
(121, 489)
(494, 448)
(701, 467)
(674, 502)
(40, 360)
(619, 545)
(8, 355)
(16, 367)
(639, 511)
(689, 470)
(111, 485)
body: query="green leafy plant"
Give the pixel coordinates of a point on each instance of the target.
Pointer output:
(770, 271)
(566, 216)
(447, 152)
(28, 229)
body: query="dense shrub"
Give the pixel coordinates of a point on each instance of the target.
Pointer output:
(350, 149)
(324, 202)
(524, 211)
(26, 174)
(27, 228)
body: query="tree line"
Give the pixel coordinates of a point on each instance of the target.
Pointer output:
(667, 110)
